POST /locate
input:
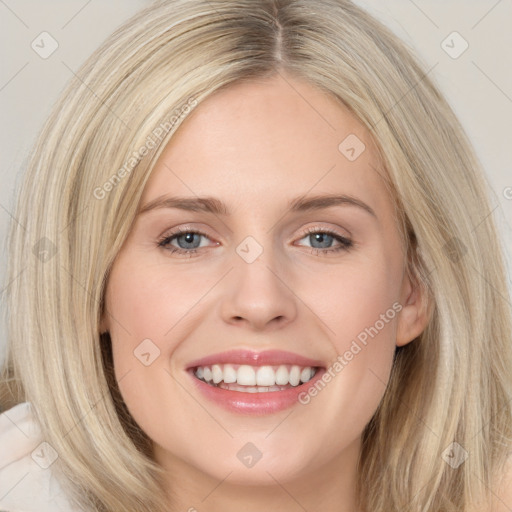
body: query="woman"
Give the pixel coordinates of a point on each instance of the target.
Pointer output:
(258, 276)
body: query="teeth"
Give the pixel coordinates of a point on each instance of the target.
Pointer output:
(265, 376)
(254, 379)
(306, 374)
(207, 374)
(246, 376)
(261, 389)
(229, 374)
(282, 376)
(217, 373)
(295, 376)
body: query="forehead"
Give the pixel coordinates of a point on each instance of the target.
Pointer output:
(268, 141)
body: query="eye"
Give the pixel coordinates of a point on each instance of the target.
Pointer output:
(189, 241)
(324, 237)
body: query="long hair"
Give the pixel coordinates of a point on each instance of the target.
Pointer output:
(82, 189)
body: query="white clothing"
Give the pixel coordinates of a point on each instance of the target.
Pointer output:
(27, 483)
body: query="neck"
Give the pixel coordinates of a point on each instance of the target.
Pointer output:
(330, 488)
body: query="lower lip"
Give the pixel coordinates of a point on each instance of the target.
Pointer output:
(255, 403)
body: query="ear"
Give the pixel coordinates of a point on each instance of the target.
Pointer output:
(104, 324)
(415, 313)
(102, 327)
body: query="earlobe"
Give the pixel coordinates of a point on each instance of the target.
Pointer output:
(414, 316)
(103, 327)
(104, 324)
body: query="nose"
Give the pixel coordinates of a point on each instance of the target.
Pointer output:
(259, 295)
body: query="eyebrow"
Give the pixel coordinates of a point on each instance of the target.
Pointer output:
(217, 207)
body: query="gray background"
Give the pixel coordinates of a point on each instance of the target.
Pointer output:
(478, 83)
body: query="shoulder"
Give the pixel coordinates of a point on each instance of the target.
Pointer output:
(27, 482)
(18, 434)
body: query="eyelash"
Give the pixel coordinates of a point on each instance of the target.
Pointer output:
(345, 243)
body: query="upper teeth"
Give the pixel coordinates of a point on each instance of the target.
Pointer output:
(247, 375)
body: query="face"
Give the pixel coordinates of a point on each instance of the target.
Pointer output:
(290, 305)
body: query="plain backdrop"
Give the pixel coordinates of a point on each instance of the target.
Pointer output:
(473, 68)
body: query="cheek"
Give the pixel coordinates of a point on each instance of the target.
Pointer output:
(354, 297)
(147, 307)
(359, 308)
(149, 303)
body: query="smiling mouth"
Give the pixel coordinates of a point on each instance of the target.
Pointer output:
(254, 379)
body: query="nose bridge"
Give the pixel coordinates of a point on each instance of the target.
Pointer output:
(257, 292)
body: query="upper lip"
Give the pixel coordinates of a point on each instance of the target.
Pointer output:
(250, 357)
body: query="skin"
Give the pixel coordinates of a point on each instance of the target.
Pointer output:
(256, 146)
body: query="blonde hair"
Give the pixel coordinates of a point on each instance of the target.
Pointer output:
(76, 207)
